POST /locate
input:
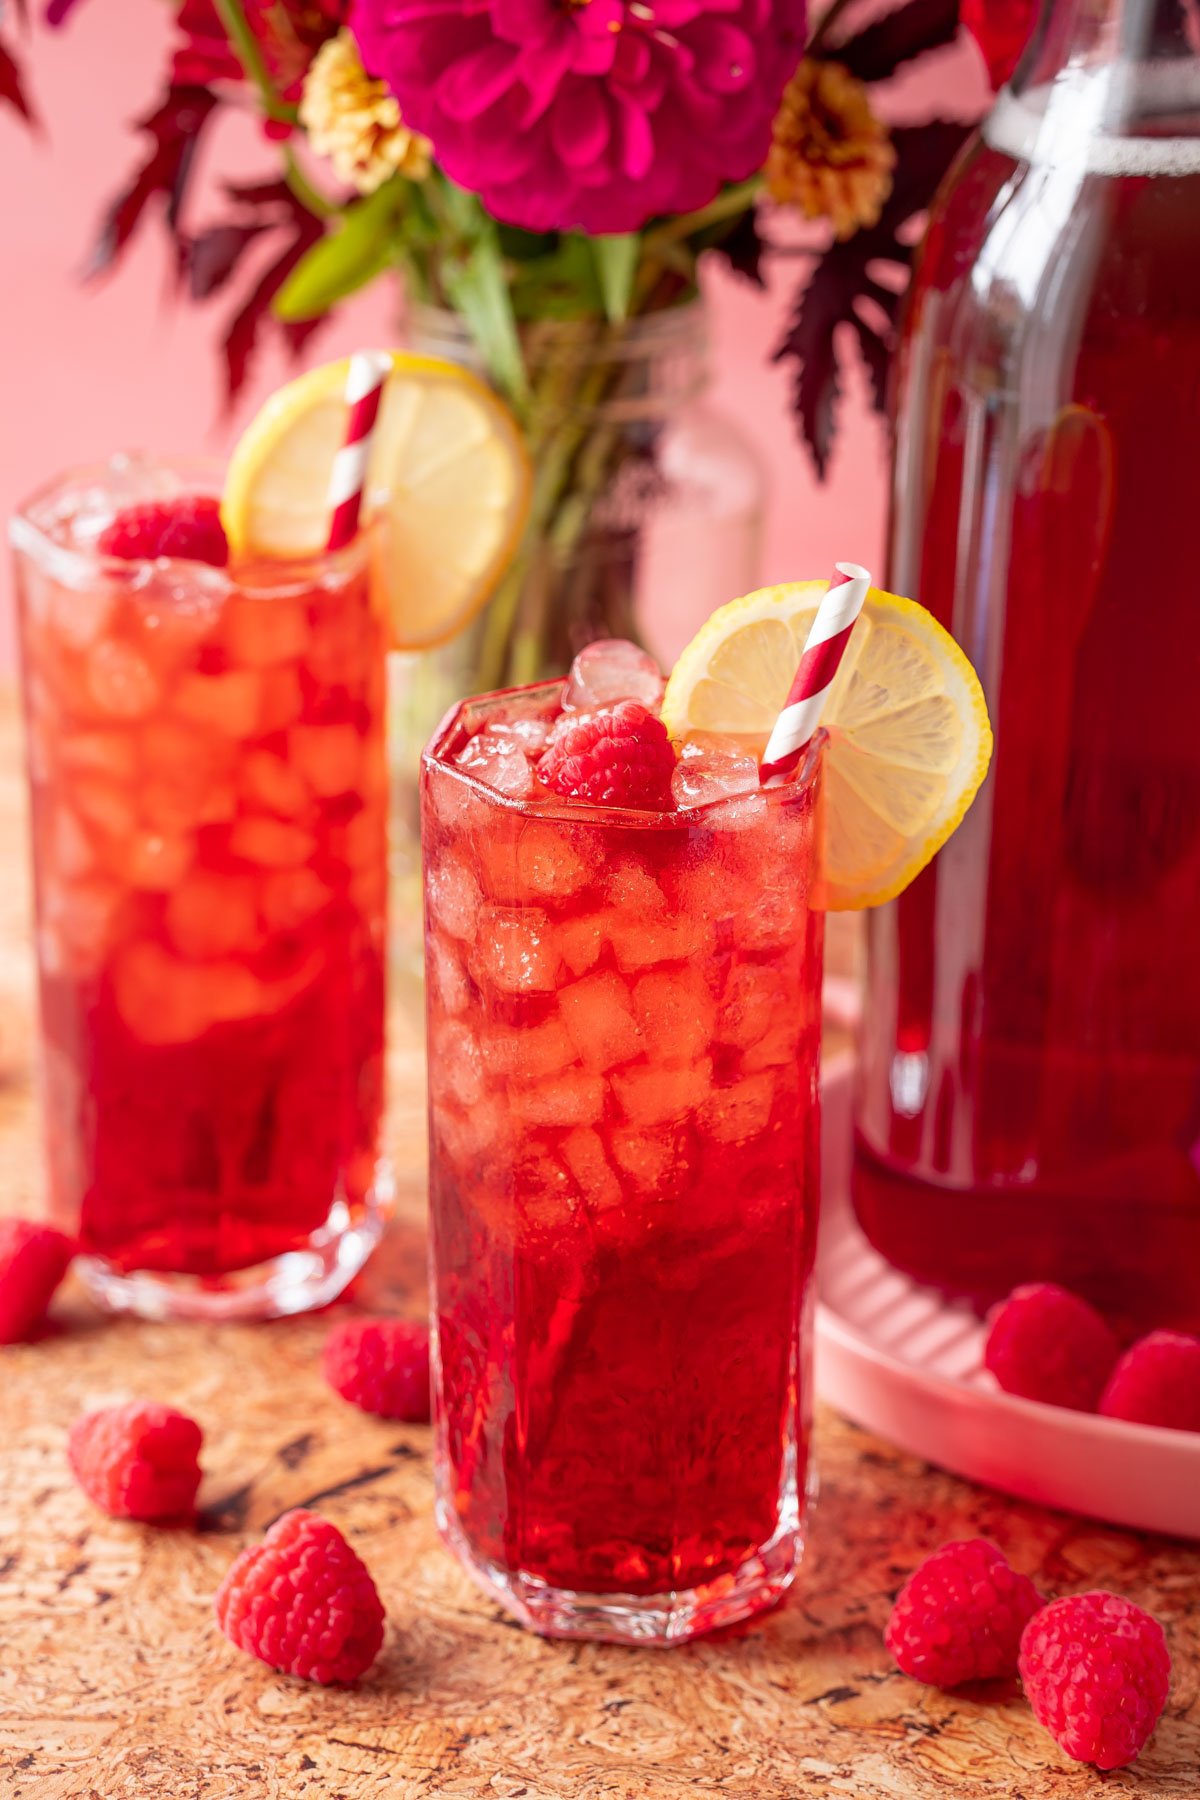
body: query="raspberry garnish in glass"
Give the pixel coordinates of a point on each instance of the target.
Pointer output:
(624, 961)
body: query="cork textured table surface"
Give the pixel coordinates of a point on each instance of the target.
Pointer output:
(116, 1685)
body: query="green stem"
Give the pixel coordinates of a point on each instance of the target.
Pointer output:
(555, 425)
(245, 45)
(728, 203)
(299, 184)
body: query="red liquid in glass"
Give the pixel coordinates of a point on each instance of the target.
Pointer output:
(623, 1042)
(1030, 1085)
(209, 810)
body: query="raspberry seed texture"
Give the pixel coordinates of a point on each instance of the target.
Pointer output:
(960, 1615)
(138, 1461)
(33, 1260)
(1047, 1344)
(617, 756)
(1157, 1382)
(303, 1602)
(1096, 1670)
(380, 1365)
(187, 527)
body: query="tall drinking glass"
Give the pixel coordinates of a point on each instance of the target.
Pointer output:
(624, 1029)
(208, 783)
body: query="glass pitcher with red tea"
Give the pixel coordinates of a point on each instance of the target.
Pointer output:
(1029, 1103)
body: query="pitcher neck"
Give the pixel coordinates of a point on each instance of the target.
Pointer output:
(1106, 87)
(1153, 45)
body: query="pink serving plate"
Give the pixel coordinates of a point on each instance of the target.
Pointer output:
(908, 1365)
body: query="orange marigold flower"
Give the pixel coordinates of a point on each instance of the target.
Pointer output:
(830, 155)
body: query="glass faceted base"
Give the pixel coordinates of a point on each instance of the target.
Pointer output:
(757, 1585)
(296, 1282)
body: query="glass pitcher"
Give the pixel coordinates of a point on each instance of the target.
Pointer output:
(1029, 1100)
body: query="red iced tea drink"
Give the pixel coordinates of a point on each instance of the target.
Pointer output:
(209, 809)
(623, 1043)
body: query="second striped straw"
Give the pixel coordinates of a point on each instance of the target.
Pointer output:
(823, 652)
(369, 370)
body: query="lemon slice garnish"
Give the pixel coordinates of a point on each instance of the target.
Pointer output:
(909, 738)
(447, 472)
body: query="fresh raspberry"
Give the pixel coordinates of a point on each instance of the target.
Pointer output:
(381, 1365)
(1157, 1382)
(1046, 1344)
(617, 756)
(303, 1602)
(33, 1260)
(138, 1461)
(960, 1615)
(188, 527)
(1096, 1670)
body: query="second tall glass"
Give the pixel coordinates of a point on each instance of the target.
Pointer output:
(208, 779)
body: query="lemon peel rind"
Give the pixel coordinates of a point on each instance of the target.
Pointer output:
(691, 669)
(827, 899)
(316, 386)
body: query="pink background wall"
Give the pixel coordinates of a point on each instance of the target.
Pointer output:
(121, 363)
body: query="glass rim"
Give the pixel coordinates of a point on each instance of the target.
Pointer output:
(75, 564)
(584, 813)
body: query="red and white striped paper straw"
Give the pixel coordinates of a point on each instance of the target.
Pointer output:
(369, 369)
(823, 651)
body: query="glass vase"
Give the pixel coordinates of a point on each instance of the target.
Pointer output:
(646, 515)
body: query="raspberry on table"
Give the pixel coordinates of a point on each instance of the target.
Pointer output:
(380, 1365)
(1047, 1344)
(1096, 1670)
(616, 756)
(33, 1260)
(303, 1602)
(137, 1461)
(188, 527)
(1157, 1382)
(960, 1615)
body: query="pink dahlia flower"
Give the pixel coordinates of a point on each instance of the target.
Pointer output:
(587, 115)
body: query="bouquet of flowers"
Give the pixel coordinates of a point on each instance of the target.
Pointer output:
(553, 172)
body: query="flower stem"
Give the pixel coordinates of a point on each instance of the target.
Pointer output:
(299, 184)
(250, 56)
(727, 205)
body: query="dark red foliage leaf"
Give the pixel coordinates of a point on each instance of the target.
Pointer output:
(877, 355)
(742, 250)
(175, 129)
(296, 332)
(923, 155)
(12, 92)
(262, 193)
(244, 328)
(841, 282)
(210, 258)
(911, 30)
(204, 53)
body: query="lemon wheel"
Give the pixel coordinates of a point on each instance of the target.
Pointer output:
(447, 472)
(909, 737)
